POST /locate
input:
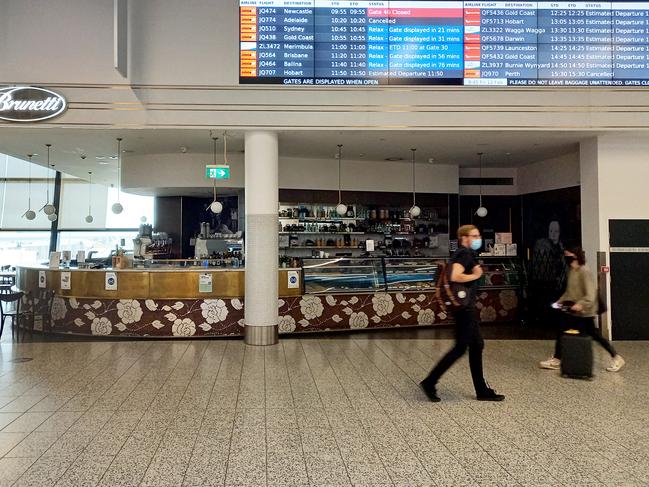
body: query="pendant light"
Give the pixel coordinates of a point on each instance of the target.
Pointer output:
(341, 208)
(216, 207)
(48, 209)
(52, 216)
(117, 208)
(482, 211)
(29, 214)
(89, 218)
(415, 211)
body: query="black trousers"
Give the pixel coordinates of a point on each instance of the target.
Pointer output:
(584, 325)
(467, 336)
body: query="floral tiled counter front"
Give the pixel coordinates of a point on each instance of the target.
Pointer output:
(224, 317)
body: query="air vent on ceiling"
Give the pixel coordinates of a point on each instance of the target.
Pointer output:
(486, 181)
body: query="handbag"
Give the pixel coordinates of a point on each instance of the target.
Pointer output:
(451, 296)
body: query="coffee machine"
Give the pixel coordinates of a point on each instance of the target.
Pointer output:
(142, 242)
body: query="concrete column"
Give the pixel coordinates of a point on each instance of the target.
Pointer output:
(261, 202)
(613, 175)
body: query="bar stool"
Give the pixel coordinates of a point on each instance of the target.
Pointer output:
(42, 306)
(13, 311)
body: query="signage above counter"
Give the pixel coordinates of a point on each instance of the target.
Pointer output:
(30, 104)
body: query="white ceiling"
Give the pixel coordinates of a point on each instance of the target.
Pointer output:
(500, 148)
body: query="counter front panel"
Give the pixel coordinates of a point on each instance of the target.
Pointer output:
(166, 303)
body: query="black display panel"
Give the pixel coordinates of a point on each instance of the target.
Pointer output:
(478, 43)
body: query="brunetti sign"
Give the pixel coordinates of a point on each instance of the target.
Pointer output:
(30, 104)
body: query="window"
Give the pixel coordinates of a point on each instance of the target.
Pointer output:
(100, 243)
(24, 248)
(25, 241)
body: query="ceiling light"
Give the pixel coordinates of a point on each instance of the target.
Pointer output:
(215, 207)
(481, 211)
(104, 163)
(394, 159)
(29, 214)
(117, 208)
(414, 211)
(341, 208)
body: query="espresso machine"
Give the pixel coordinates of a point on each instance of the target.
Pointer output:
(142, 242)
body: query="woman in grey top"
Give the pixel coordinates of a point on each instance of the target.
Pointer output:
(581, 295)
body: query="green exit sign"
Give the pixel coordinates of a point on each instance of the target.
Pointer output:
(217, 171)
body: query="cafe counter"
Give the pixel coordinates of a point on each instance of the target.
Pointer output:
(323, 295)
(165, 301)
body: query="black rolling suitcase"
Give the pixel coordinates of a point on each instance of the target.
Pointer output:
(576, 355)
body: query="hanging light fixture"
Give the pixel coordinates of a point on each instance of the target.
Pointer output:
(48, 208)
(341, 208)
(481, 211)
(117, 208)
(52, 216)
(29, 214)
(89, 218)
(415, 211)
(216, 207)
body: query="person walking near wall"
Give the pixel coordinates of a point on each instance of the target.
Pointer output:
(581, 296)
(466, 270)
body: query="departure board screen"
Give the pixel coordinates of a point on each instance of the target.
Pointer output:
(480, 43)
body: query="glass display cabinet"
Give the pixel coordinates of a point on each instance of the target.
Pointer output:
(343, 275)
(501, 273)
(377, 274)
(410, 274)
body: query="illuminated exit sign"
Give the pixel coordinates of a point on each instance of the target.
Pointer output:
(217, 171)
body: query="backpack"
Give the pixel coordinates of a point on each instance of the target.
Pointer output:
(451, 296)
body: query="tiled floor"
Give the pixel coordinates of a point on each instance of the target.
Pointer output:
(342, 410)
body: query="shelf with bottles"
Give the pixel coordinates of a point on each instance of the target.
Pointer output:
(318, 220)
(314, 212)
(322, 233)
(302, 247)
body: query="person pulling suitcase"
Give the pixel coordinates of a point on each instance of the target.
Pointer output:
(581, 300)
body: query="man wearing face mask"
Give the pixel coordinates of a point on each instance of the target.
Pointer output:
(581, 299)
(466, 270)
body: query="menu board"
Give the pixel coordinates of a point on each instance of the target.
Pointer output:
(499, 43)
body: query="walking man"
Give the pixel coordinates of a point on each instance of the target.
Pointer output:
(466, 270)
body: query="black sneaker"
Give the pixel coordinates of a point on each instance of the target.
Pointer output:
(430, 392)
(489, 395)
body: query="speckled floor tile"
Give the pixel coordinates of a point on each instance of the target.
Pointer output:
(35, 444)
(334, 410)
(12, 468)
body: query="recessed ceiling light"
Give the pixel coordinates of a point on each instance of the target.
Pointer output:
(114, 158)
(361, 155)
(103, 163)
(508, 153)
(100, 157)
(394, 159)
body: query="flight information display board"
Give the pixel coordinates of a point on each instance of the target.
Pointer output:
(484, 43)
